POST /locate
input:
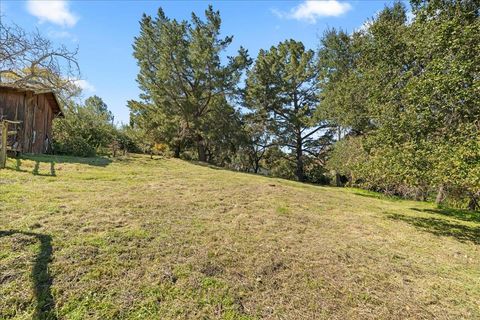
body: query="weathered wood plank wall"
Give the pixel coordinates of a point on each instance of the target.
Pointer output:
(36, 115)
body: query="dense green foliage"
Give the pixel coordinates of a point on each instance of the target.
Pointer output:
(409, 90)
(185, 85)
(391, 107)
(85, 129)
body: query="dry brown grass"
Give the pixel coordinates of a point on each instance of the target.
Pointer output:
(165, 239)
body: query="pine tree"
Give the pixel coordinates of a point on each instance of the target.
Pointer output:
(283, 83)
(181, 70)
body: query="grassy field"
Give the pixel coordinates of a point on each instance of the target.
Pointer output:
(135, 238)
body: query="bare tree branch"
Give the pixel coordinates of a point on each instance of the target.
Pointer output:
(29, 59)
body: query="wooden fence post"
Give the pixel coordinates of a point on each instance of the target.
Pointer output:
(3, 150)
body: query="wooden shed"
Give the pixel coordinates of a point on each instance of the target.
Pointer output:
(35, 109)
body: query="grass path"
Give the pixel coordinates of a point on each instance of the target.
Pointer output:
(166, 239)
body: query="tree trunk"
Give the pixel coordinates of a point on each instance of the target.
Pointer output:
(176, 152)
(338, 180)
(440, 195)
(473, 204)
(299, 158)
(209, 158)
(256, 166)
(299, 145)
(202, 154)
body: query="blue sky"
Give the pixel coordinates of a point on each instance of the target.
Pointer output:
(103, 31)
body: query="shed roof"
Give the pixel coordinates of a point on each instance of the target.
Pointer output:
(49, 94)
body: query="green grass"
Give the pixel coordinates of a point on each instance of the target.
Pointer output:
(134, 238)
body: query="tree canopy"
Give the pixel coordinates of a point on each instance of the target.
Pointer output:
(282, 85)
(412, 94)
(182, 74)
(391, 107)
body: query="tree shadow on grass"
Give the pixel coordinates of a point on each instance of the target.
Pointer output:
(214, 167)
(459, 214)
(42, 281)
(52, 160)
(375, 195)
(92, 161)
(441, 227)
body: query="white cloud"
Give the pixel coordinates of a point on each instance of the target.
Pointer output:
(311, 10)
(84, 85)
(61, 34)
(278, 13)
(54, 11)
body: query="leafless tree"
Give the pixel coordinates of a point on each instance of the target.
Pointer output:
(29, 59)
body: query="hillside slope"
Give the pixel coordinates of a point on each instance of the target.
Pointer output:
(166, 239)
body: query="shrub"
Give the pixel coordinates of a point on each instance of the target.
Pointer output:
(75, 146)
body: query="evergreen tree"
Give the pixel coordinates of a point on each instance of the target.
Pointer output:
(181, 72)
(283, 83)
(98, 106)
(258, 136)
